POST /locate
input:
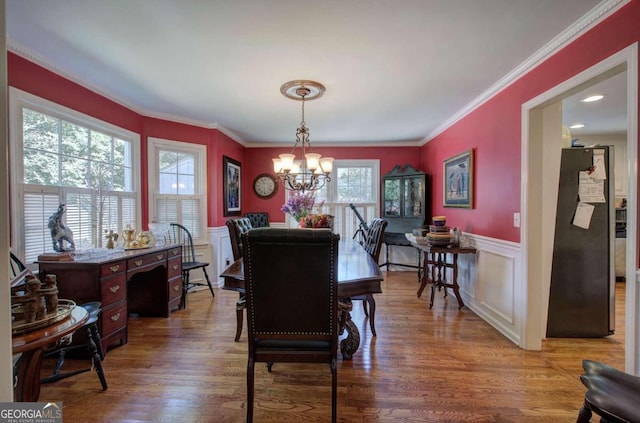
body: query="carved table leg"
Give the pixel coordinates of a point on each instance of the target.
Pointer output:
(27, 387)
(584, 416)
(350, 344)
(456, 287)
(240, 306)
(424, 278)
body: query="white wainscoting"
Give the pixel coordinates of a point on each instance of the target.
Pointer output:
(222, 255)
(489, 287)
(203, 253)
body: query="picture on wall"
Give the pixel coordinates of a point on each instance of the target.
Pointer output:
(458, 180)
(232, 186)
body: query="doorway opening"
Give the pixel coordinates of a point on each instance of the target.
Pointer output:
(541, 145)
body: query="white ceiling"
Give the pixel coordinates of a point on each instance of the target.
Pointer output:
(395, 71)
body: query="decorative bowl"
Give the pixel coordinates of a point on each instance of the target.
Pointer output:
(158, 230)
(439, 220)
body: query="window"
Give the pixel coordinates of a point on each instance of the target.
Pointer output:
(352, 182)
(60, 156)
(177, 185)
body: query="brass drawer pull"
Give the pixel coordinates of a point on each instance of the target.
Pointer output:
(174, 252)
(138, 262)
(115, 317)
(115, 268)
(160, 256)
(176, 288)
(114, 289)
(175, 267)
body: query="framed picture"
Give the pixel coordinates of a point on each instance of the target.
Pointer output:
(232, 186)
(458, 180)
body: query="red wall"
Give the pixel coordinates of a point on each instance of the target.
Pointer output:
(493, 130)
(258, 160)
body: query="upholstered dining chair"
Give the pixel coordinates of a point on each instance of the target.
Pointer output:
(258, 219)
(178, 234)
(611, 394)
(292, 301)
(236, 228)
(373, 245)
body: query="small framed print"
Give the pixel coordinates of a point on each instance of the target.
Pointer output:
(232, 186)
(458, 180)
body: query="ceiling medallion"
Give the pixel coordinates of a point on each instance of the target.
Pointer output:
(312, 171)
(302, 90)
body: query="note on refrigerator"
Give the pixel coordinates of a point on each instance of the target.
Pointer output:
(599, 166)
(590, 190)
(582, 218)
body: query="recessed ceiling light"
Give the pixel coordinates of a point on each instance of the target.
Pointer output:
(592, 98)
(577, 125)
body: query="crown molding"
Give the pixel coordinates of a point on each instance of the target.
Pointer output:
(320, 144)
(26, 53)
(231, 134)
(599, 13)
(605, 9)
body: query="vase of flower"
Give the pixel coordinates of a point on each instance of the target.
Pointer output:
(299, 205)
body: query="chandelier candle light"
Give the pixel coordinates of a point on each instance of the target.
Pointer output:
(312, 173)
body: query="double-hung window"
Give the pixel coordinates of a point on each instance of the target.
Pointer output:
(354, 182)
(177, 185)
(60, 156)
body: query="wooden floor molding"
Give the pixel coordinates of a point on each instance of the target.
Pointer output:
(439, 365)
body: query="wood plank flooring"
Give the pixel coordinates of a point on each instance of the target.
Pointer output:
(439, 365)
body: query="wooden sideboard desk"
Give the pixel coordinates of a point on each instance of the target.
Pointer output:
(145, 282)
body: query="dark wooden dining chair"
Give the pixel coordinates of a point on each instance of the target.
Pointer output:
(258, 219)
(292, 301)
(90, 345)
(236, 228)
(611, 394)
(178, 234)
(372, 243)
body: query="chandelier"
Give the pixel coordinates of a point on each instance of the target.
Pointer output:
(311, 172)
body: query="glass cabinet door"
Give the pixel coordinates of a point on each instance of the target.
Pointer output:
(413, 201)
(391, 195)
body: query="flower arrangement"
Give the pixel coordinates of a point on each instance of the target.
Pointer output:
(300, 204)
(317, 221)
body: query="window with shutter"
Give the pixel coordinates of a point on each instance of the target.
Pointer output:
(177, 190)
(352, 181)
(60, 156)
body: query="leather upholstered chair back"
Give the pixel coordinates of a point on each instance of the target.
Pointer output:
(292, 300)
(236, 228)
(258, 219)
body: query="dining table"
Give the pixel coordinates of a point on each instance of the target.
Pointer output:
(358, 274)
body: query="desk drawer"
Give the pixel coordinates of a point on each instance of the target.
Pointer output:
(174, 267)
(175, 288)
(114, 318)
(113, 268)
(141, 261)
(113, 289)
(175, 252)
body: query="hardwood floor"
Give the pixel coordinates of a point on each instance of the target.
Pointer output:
(440, 365)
